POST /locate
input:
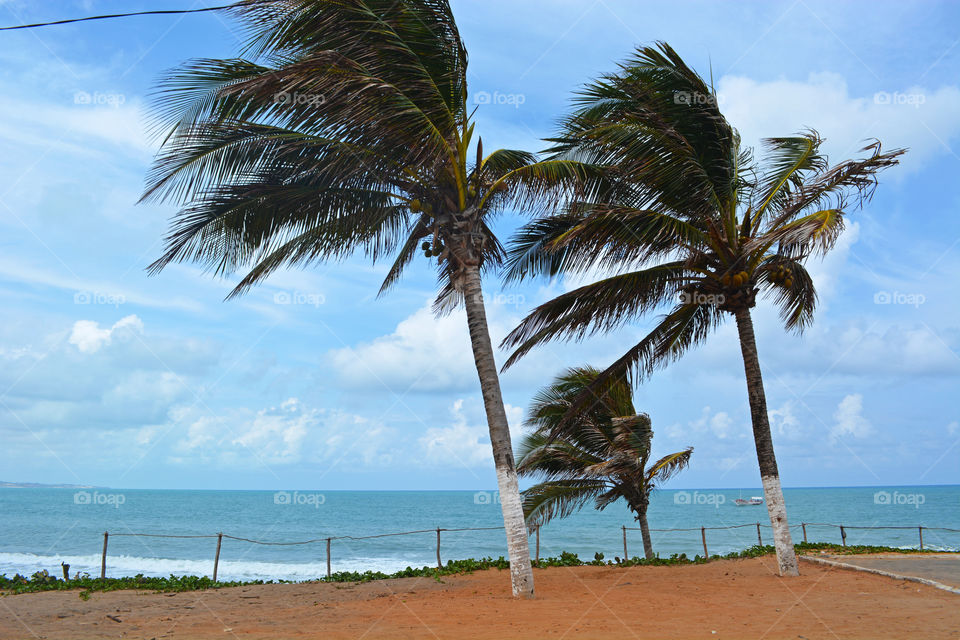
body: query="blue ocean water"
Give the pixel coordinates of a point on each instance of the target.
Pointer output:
(40, 528)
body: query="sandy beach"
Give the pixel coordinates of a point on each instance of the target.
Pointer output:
(723, 599)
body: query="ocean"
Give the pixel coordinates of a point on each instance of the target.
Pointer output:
(40, 528)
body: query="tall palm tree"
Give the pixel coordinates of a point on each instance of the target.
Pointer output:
(600, 455)
(346, 128)
(688, 219)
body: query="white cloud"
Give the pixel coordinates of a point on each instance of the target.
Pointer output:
(423, 353)
(784, 423)
(717, 425)
(465, 443)
(88, 337)
(781, 107)
(849, 418)
(460, 444)
(77, 128)
(281, 435)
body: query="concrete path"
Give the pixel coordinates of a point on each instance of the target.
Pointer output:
(943, 568)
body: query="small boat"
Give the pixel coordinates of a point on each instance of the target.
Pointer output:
(742, 502)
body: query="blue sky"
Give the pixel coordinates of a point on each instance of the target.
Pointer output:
(113, 378)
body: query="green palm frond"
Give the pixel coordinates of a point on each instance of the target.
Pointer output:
(796, 297)
(788, 162)
(600, 454)
(668, 466)
(601, 306)
(845, 186)
(558, 499)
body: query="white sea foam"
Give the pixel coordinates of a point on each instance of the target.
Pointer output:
(120, 565)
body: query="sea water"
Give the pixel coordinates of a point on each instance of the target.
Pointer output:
(40, 528)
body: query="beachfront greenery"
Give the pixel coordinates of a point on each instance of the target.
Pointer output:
(346, 128)
(600, 455)
(43, 581)
(686, 220)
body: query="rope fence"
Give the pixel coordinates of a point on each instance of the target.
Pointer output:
(328, 540)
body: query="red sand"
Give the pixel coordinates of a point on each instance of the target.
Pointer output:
(723, 599)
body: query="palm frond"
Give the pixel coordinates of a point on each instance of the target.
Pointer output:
(787, 163)
(795, 299)
(668, 466)
(558, 499)
(601, 306)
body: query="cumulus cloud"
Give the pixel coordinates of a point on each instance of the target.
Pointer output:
(459, 444)
(423, 353)
(88, 337)
(849, 418)
(717, 425)
(921, 118)
(290, 433)
(465, 443)
(783, 422)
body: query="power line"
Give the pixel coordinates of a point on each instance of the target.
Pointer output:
(156, 12)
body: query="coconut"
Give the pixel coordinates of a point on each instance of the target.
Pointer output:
(415, 205)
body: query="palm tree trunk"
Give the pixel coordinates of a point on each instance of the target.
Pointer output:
(645, 533)
(518, 548)
(769, 475)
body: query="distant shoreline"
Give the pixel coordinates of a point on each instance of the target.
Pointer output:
(38, 485)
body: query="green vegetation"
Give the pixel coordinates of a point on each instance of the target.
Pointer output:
(43, 581)
(856, 549)
(600, 454)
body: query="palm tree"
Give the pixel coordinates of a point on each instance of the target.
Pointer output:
(346, 128)
(688, 219)
(600, 455)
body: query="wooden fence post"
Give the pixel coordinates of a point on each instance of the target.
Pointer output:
(625, 554)
(538, 544)
(103, 560)
(804, 525)
(216, 558)
(759, 539)
(920, 529)
(439, 562)
(843, 535)
(328, 558)
(703, 536)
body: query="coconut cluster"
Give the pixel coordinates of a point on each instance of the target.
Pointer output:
(431, 250)
(782, 276)
(735, 280)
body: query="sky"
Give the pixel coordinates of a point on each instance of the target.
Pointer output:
(115, 378)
